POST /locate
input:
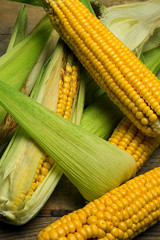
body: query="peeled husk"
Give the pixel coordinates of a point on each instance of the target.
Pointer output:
(133, 23)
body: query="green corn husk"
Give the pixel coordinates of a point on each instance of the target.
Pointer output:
(17, 63)
(151, 59)
(22, 156)
(153, 41)
(101, 117)
(93, 165)
(8, 125)
(151, 53)
(19, 32)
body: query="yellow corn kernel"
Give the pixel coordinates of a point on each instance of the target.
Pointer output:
(68, 88)
(125, 222)
(116, 69)
(130, 139)
(43, 167)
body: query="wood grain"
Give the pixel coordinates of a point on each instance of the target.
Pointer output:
(66, 197)
(8, 15)
(109, 3)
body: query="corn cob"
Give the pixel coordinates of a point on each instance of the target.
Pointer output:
(68, 86)
(122, 213)
(130, 139)
(61, 80)
(126, 136)
(116, 69)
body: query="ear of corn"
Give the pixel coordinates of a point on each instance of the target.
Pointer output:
(28, 175)
(123, 213)
(116, 69)
(17, 63)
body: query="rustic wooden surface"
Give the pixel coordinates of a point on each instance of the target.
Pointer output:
(65, 197)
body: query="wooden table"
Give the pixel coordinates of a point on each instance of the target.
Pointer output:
(65, 198)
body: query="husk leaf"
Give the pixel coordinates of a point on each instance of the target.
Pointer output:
(101, 117)
(153, 41)
(17, 63)
(8, 125)
(86, 159)
(133, 23)
(151, 59)
(19, 31)
(18, 34)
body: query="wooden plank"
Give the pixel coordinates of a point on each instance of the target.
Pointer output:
(8, 15)
(109, 3)
(66, 197)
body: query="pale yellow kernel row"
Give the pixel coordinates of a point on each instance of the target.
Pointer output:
(67, 90)
(43, 168)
